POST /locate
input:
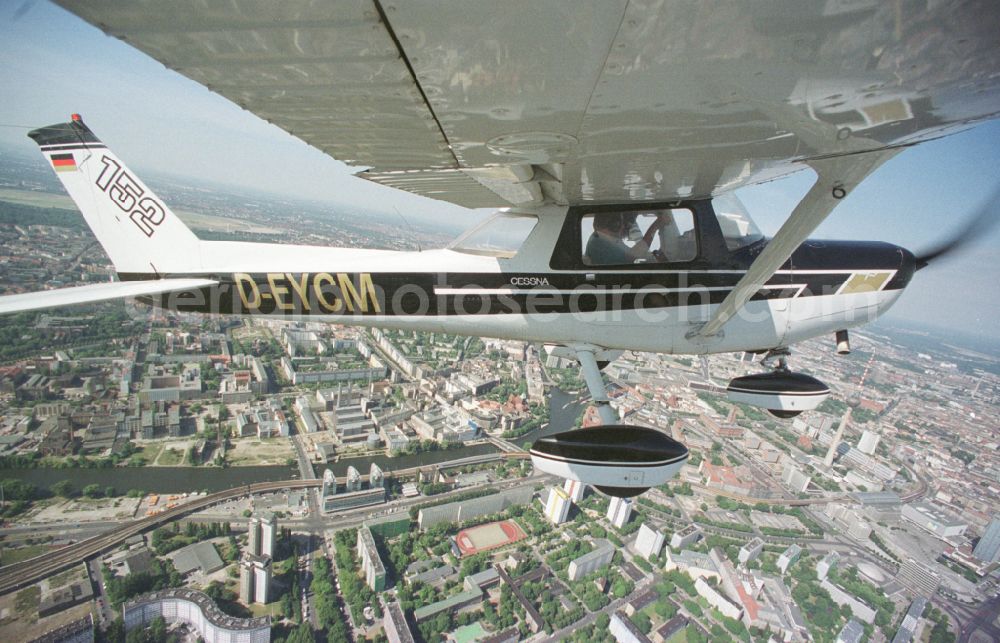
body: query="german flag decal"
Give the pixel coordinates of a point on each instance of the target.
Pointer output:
(63, 163)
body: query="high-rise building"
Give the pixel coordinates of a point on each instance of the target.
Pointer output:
(855, 458)
(255, 579)
(371, 562)
(557, 506)
(908, 628)
(329, 483)
(918, 577)
(575, 489)
(353, 479)
(268, 534)
(262, 579)
(600, 557)
(788, 557)
(246, 581)
(262, 534)
(619, 511)
(792, 476)
(649, 542)
(253, 536)
(685, 537)
(828, 562)
(988, 549)
(396, 628)
(869, 442)
(375, 477)
(750, 551)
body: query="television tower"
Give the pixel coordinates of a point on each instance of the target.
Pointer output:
(852, 402)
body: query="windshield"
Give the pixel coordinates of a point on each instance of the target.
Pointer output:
(499, 236)
(738, 228)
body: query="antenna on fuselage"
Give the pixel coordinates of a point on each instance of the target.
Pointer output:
(412, 232)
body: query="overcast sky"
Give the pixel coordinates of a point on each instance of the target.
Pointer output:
(54, 64)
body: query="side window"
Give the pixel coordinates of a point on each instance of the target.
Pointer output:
(738, 229)
(662, 236)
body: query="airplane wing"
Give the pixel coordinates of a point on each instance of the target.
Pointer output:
(95, 293)
(592, 101)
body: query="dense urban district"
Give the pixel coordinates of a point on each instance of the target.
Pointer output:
(170, 477)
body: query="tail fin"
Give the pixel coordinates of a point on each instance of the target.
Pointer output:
(136, 229)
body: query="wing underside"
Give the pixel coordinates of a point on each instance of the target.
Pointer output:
(486, 104)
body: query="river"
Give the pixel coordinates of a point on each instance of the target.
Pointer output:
(563, 408)
(157, 479)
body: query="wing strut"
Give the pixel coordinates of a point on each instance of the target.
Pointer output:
(837, 176)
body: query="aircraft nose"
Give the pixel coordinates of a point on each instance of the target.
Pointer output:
(908, 264)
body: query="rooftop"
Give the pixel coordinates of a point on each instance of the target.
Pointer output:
(449, 603)
(852, 632)
(201, 556)
(936, 514)
(208, 608)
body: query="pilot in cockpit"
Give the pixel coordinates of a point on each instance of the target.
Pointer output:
(607, 245)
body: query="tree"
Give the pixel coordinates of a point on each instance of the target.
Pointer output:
(302, 634)
(63, 488)
(14, 489)
(116, 631)
(642, 621)
(92, 491)
(158, 629)
(287, 607)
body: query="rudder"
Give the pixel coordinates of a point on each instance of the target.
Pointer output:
(136, 229)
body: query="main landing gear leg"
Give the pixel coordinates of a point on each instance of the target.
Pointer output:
(595, 383)
(617, 459)
(777, 359)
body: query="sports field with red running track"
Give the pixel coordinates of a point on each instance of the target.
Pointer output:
(490, 536)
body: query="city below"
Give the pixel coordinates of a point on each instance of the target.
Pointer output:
(190, 477)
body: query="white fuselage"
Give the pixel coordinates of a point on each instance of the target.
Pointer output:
(761, 324)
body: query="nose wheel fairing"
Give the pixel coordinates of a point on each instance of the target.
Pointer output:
(782, 392)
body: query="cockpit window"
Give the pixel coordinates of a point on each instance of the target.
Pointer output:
(499, 236)
(738, 228)
(663, 235)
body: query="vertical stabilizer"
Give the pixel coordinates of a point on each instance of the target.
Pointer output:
(136, 229)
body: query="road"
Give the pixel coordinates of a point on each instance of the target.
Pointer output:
(105, 613)
(306, 471)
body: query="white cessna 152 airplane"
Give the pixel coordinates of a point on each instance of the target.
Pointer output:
(612, 132)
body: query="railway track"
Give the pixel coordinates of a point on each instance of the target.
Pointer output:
(24, 573)
(19, 575)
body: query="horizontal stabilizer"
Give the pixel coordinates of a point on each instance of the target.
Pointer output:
(96, 292)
